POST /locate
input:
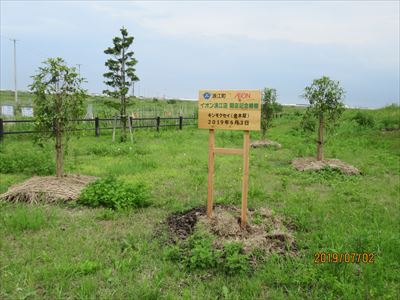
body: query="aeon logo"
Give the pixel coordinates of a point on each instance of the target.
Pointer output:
(206, 95)
(241, 96)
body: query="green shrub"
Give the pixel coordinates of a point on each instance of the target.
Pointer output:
(201, 254)
(112, 193)
(198, 253)
(307, 123)
(364, 120)
(235, 262)
(391, 123)
(390, 119)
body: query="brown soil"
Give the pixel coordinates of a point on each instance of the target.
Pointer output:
(311, 164)
(181, 225)
(47, 189)
(264, 230)
(265, 143)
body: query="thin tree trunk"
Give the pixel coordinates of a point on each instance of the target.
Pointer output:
(123, 99)
(264, 123)
(114, 128)
(59, 152)
(123, 120)
(58, 133)
(320, 142)
(265, 126)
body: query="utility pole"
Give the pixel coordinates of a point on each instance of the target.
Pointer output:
(133, 89)
(15, 70)
(79, 69)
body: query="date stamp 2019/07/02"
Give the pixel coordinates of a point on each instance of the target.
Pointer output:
(346, 257)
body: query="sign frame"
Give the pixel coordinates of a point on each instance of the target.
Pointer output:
(244, 152)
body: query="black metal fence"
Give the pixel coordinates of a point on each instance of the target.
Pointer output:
(99, 124)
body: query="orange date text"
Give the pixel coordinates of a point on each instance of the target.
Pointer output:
(346, 257)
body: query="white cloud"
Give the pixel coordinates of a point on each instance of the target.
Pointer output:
(343, 23)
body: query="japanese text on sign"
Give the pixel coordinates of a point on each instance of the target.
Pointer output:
(230, 109)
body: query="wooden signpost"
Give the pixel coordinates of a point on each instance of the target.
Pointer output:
(229, 110)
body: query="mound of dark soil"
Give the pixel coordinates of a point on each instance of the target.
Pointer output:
(264, 230)
(181, 225)
(266, 144)
(47, 189)
(311, 164)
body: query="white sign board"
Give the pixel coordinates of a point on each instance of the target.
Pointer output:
(7, 110)
(89, 111)
(27, 111)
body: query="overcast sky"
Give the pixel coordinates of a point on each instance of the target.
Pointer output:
(186, 46)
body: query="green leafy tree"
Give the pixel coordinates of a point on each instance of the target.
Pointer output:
(121, 73)
(58, 98)
(270, 106)
(326, 105)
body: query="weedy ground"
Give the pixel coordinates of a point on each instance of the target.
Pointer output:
(69, 251)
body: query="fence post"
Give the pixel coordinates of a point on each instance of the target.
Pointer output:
(180, 122)
(130, 128)
(1, 129)
(158, 123)
(97, 126)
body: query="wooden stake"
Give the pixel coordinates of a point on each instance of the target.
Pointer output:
(320, 142)
(211, 144)
(114, 125)
(130, 128)
(245, 183)
(228, 151)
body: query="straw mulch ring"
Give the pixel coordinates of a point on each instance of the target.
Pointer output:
(266, 144)
(47, 189)
(311, 164)
(264, 230)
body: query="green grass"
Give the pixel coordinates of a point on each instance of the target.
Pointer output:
(24, 218)
(66, 251)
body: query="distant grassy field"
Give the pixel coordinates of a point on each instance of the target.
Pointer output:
(104, 106)
(65, 251)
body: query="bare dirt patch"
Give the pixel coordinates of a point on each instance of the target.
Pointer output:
(264, 230)
(311, 164)
(266, 144)
(181, 225)
(47, 189)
